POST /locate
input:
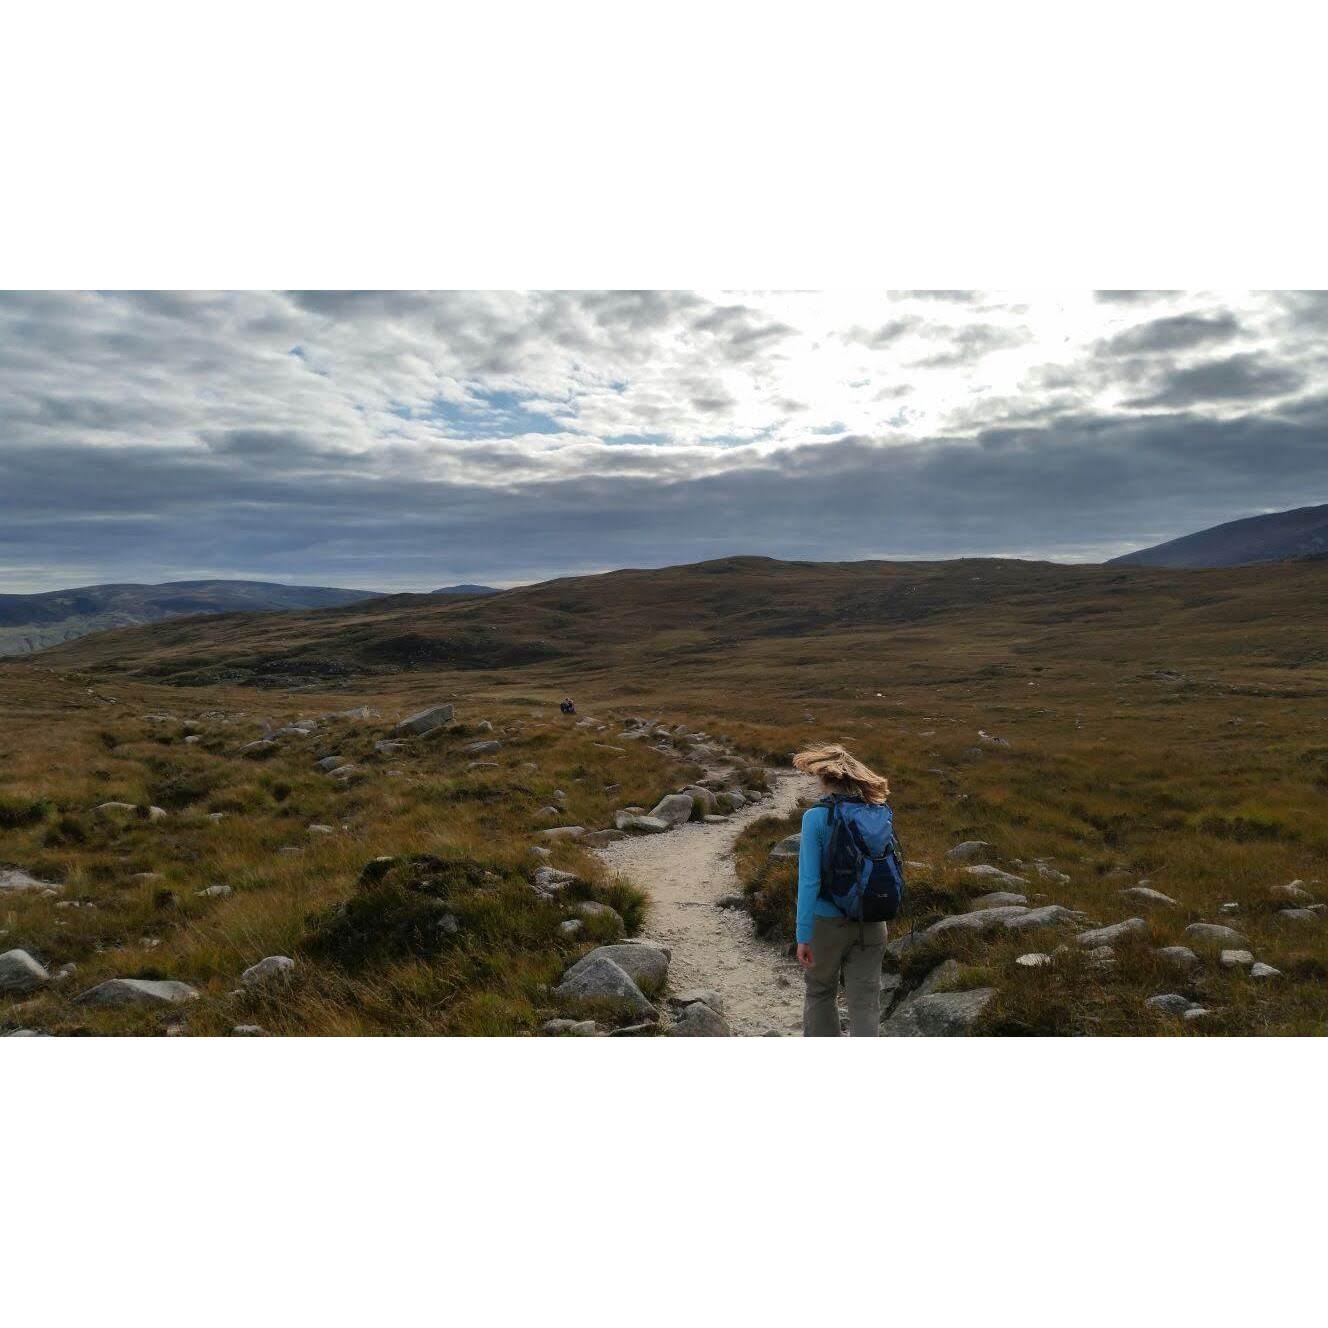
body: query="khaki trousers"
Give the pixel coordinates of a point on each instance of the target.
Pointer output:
(856, 950)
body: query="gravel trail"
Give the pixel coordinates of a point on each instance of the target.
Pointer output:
(684, 872)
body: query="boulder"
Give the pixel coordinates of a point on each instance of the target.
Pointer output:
(248, 1030)
(1112, 935)
(970, 851)
(731, 799)
(997, 899)
(116, 809)
(979, 922)
(673, 808)
(1293, 892)
(20, 973)
(1033, 960)
(994, 876)
(1264, 971)
(707, 997)
(562, 832)
(572, 927)
(1047, 915)
(787, 848)
(1214, 933)
(939, 1014)
(1049, 873)
(602, 912)
(699, 1020)
(1236, 958)
(316, 829)
(117, 993)
(1170, 1003)
(14, 878)
(646, 963)
(214, 892)
(702, 795)
(424, 721)
(599, 982)
(1180, 955)
(572, 1027)
(598, 838)
(1193, 1013)
(1147, 895)
(266, 970)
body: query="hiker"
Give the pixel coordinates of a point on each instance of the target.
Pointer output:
(847, 936)
(566, 706)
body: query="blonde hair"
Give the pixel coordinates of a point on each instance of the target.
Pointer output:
(842, 772)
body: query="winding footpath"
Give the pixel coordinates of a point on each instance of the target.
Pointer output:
(685, 873)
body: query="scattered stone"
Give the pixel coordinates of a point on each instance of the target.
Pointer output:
(483, 748)
(1049, 873)
(598, 838)
(1101, 956)
(1048, 915)
(986, 872)
(674, 809)
(548, 881)
(1298, 914)
(732, 900)
(649, 825)
(21, 973)
(1112, 935)
(260, 747)
(248, 1030)
(572, 927)
(194, 737)
(14, 878)
(714, 819)
(426, 720)
(1236, 958)
(645, 962)
(1033, 960)
(787, 848)
(385, 746)
(1180, 955)
(1293, 892)
(732, 799)
(1264, 971)
(1150, 896)
(274, 966)
(1170, 1003)
(699, 1020)
(320, 830)
(571, 1027)
(704, 796)
(980, 921)
(597, 980)
(707, 997)
(118, 993)
(214, 892)
(997, 899)
(1213, 933)
(1193, 1013)
(330, 763)
(939, 1014)
(540, 851)
(590, 909)
(970, 851)
(562, 832)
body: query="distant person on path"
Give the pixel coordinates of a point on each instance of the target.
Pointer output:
(829, 942)
(567, 706)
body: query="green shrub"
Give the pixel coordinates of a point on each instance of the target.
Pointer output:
(16, 812)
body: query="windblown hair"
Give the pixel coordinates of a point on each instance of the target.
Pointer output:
(842, 772)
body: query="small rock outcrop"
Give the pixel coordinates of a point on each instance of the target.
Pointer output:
(970, 851)
(424, 721)
(20, 973)
(699, 1020)
(674, 809)
(995, 876)
(787, 848)
(117, 993)
(267, 970)
(645, 962)
(599, 983)
(1214, 933)
(1112, 935)
(939, 1014)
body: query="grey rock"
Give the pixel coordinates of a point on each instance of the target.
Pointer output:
(994, 875)
(1170, 1003)
(997, 899)
(645, 963)
(1235, 958)
(1046, 915)
(673, 808)
(707, 997)
(1112, 935)
(939, 1014)
(248, 1030)
(330, 763)
(214, 892)
(572, 927)
(320, 830)
(603, 913)
(1050, 873)
(597, 980)
(1214, 933)
(124, 992)
(1297, 915)
(1149, 896)
(21, 973)
(598, 838)
(548, 881)
(1264, 971)
(648, 825)
(1293, 892)
(979, 922)
(266, 970)
(385, 746)
(700, 1020)
(482, 748)
(1180, 955)
(970, 851)
(425, 720)
(1193, 1013)
(787, 848)
(1231, 907)
(714, 820)
(258, 747)
(731, 798)
(703, 795)
(571, 1027)
(1034, 960)
(562, 832)
(13, 878)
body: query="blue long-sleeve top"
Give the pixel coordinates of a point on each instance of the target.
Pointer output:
(815, 827)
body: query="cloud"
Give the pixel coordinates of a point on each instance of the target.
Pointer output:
(1246, 377)
(1180, 332)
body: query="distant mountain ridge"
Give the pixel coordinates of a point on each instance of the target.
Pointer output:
(1299, 533)
(33, 622)
(465, 589)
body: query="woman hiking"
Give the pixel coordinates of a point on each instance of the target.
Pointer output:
(829, 941)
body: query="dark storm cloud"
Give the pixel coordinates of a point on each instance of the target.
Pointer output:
(1237, 378)
(1178, 333)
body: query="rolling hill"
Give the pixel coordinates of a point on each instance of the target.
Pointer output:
(1299, 533)
(33, 622)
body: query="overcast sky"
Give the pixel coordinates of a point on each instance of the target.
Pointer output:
(404, 441)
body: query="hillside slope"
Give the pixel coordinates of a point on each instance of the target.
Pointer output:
(1299, 533)
(33, 622)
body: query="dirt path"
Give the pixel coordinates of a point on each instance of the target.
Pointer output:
(684, 872)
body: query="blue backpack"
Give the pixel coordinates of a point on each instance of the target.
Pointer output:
(862, 870)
